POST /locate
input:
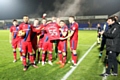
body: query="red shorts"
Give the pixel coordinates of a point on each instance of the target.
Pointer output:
(40, 44)
(47, 46)
(26, 47)
(62, 46)
(16, 43)
(73, 44)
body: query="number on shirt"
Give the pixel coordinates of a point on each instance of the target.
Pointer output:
(53, 32)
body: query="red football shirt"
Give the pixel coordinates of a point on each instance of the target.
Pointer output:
(52, 30)
(28, 30)
(41, 31)
(14, 31)
(65, 29)
(74, 27)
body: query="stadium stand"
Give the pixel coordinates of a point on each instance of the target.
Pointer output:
(85, 22)
(2, 25)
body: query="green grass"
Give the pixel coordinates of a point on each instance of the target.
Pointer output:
(89, 69)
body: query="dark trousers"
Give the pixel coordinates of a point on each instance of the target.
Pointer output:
(112, 62)
(103, 44)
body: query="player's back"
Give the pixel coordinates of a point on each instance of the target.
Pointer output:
(52, 30)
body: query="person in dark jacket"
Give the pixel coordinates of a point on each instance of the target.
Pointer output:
(112, 45)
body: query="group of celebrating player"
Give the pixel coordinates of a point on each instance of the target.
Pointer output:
(39, 38)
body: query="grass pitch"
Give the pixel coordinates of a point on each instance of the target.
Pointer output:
(89, 69)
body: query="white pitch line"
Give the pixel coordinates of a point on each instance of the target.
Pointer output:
(104, 78)
(71, 70)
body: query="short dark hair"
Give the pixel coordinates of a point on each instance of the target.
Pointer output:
(72, 17)
(25, 16)
(113, 18)
(44, 19)
(36, 19)
(62, 21)
(14, 20)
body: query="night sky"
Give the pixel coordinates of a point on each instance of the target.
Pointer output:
(12, 9)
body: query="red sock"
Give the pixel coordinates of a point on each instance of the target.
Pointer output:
(60, 56)
(32, 58)
(24, 60)
(38, 56)
(64, 59)
(75, 58)
(15, 55)
(43, 57)
(50, 56)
